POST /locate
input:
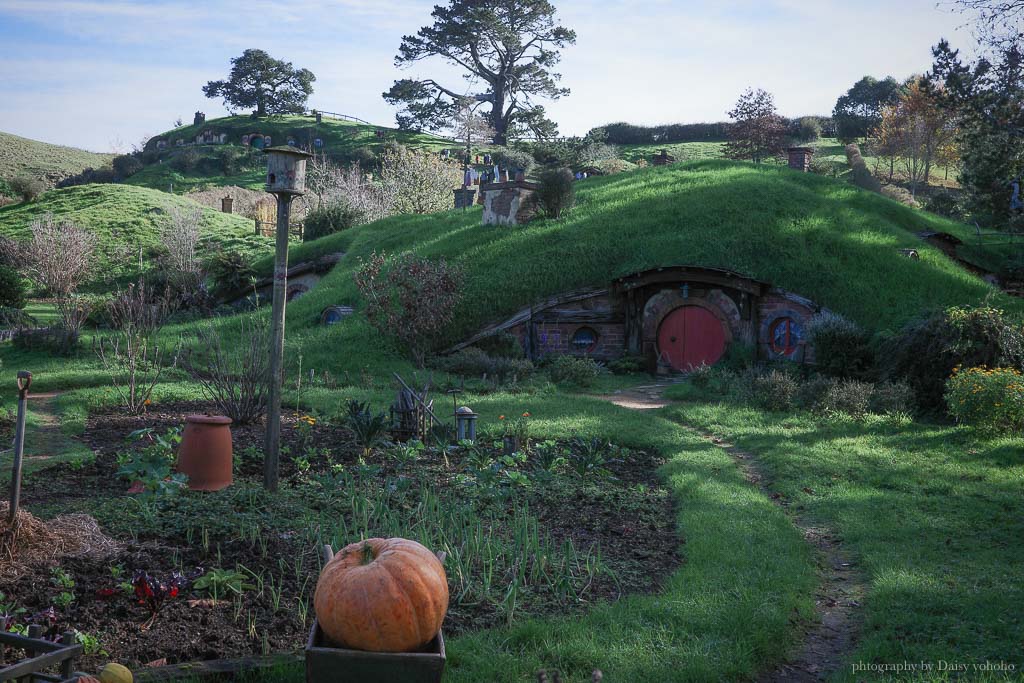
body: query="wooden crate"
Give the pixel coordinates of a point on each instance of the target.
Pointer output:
(326, 663)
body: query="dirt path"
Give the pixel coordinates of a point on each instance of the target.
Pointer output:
(841, 587)
(44, 439)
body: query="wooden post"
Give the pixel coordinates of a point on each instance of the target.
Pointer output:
(272, 446)
(24, 381)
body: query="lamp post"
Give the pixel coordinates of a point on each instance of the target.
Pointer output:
(286, 180)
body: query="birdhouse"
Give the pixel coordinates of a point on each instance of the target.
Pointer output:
(286, 170)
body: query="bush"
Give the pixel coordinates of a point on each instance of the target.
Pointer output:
(510, 158)
(573, 371)
(925, 352)
(27, 188)
(474, 362)
(12, 289)
(860, 174)
(773, 390)
(502, 345)
(808, 129)
(847, 397)
(330, 218)
(627, 365)
(613, 166)
(890, 398)
(410, 299)
(901, 195)
(186, 160)
(229, 160)
(945, 204)
(556, 192)
(88, 177)
(231, 272)
(841, 347)
(991, 400)
(126, 165)
(57, 341)
(236, 381)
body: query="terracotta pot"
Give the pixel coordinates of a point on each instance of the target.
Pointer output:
(205, 452)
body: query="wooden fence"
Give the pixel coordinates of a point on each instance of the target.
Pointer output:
(269, 229)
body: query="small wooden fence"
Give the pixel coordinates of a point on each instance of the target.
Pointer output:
(996, 236)
(269, 229)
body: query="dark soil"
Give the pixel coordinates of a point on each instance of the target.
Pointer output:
(628, 516)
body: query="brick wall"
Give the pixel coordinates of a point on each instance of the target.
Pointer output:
(507, 203)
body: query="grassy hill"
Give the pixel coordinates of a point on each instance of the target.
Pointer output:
(341, 140)
(21, 156)
(815, 236)
(126, 218)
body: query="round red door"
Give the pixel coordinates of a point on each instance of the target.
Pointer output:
(691, 336)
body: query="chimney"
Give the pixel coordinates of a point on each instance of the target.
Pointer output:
(800, 158)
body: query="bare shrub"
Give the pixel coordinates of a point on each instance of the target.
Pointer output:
(180, 236)
(236, 381)
(416, 182)
(411, 299)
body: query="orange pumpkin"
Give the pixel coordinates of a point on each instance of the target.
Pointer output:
(88, 679)
(382, 595)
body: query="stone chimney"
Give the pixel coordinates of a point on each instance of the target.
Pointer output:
(507, 203)
(225, 204)
(199, 119)
(800, 158)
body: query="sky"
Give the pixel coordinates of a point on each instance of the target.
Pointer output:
(106, 74)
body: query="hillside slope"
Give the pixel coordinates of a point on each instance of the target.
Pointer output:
(22, 156)
(342, 139)
(126, 218)
(821, 238)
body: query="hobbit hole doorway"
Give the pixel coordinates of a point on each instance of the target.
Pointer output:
(691, 336)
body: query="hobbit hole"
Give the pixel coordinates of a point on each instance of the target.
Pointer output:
(680, 316)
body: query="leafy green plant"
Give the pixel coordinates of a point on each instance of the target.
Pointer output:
(150, 467)
(369, 429)
(590, 457)
(222, 582)
(573, 371)
(990, 399)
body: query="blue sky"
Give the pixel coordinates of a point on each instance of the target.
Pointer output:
(104, 74)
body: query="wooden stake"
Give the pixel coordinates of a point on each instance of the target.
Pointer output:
(272, 444)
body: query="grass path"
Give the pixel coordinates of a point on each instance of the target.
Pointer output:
(826, 644)
(46, 443)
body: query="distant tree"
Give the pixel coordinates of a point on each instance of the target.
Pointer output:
(510, 46)
(808, 129)
(860, 109)
(1000, 22)
(126, 165)
(471, 126)
(416, 182)
(270, 85)
(913, 130)
(987, 97)
(27, 188)
(757, 130)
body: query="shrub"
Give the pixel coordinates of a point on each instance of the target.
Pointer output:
(330, 218)
(27, 188)
(416, 182)
(613, 166)
(502, 345)
(773, 390)
(231, 272)
(901, 195)
(229, 160)
(808, 129)
(841, 347)
(627, 365)
(990, 399)
(925, 351)
(411, 299)
(890, 398)
(515, 159)
(89, 176)
(556, 192)
(236, 381)
(860, 173)
(186, 160)
(12, 289)
(573, 371)
(58, 341)
(474, 362)
(126, 165)
(847, 397)
(945, 204)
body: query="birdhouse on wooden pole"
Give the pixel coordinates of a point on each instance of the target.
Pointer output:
(286, 179)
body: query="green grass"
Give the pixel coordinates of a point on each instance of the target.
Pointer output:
(126, 218)
(341, 140)
(933, 514)
(21, 156)
(814, 236)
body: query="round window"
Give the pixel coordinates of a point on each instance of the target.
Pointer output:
(584, 340)
(785, 336)
(335, 314)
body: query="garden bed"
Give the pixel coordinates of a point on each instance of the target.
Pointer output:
(553, 529)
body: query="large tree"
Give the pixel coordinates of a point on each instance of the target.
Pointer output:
(271, 86)
(509, 47)
(860, 109)
(987, 96)
(757, 131)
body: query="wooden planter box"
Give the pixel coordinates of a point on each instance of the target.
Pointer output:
(326, 663)
(42, 655)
